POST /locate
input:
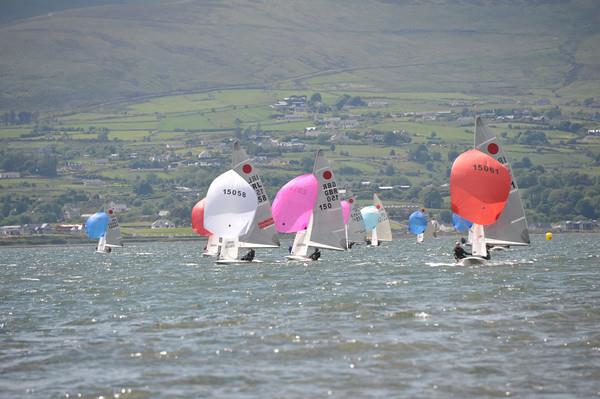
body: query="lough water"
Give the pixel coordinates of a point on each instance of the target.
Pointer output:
(157, 320)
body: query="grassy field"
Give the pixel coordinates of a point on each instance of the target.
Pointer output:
(206, 122)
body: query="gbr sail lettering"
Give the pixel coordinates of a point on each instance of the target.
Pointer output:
(331, 195)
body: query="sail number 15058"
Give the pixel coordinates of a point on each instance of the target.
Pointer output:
(239, 193)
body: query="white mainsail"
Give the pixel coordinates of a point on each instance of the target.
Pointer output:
(384, 229)
(261, 233)
(355, 230)
(113, 231)
(511, 227)
(432, 229)
(326, 229)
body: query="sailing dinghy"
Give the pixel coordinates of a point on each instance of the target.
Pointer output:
(324, 228)
(383, 230)
(511, 227)
(479, 190)
(229, 210)
(370, 216)
(417, 224)
(112, 237)
(354, 225)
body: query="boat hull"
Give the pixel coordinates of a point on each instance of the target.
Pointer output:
(472, 261)
(299, 258)
(235, 261)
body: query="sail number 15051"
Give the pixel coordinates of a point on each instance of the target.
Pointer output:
(486, 168)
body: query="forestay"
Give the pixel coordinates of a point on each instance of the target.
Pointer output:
(511, 227)
(262, 231)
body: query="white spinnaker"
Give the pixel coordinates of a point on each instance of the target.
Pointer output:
(384, 230)
(356, 226)
(511, 227)
(230, 206)
(327, 219)
(478, 248)
(261, 233)
(113, 231)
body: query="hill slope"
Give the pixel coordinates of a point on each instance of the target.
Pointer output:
(97, 54)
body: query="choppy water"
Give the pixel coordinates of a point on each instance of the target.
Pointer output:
(157, 320)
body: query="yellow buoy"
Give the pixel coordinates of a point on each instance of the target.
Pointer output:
(548, 235)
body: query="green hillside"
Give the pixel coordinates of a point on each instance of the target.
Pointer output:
(94, 55)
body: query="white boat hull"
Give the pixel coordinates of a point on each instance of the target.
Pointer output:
(235, 261)
(299, 258)
(472, 261)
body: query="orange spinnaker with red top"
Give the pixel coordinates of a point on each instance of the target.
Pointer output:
(198, 219)
(479, 187)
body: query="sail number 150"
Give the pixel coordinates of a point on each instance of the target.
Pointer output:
(325, 206)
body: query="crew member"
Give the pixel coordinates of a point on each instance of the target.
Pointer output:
(316, 255)
(459, 251)
(249, 256)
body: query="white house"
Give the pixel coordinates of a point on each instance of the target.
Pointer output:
(162, 224)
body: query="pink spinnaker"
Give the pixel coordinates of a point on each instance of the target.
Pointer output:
(294, 204)
(345, 210)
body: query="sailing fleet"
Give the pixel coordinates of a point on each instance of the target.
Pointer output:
(236, 213)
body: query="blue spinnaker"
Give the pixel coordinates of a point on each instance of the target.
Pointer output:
(417, 222)
(460, 224)
(96, 225)
(370, 216)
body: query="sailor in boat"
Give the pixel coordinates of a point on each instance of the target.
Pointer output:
(105, 249)
(463, 240)
(249, 257)
(351, 244)
(459, 252)
(316, 255)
